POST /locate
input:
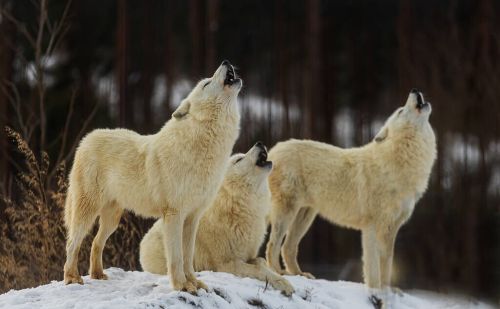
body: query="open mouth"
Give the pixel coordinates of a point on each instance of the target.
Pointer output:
(231, 76)
(421, 104)
(262, 159)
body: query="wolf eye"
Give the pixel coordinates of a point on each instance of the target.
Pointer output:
(400, 111)
(239, 159)
(206, 84)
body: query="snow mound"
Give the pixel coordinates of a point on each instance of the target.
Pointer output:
(133, 289)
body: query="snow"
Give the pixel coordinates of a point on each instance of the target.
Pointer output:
(133, 289)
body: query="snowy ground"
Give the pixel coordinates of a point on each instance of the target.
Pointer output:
(145, 290)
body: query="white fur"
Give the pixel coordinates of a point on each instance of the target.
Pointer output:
(231, 231)
(372, 188)
(173, 174)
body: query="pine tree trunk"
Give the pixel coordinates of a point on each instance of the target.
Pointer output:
(6, 59)
(147, 76)
(282, 56)
(169, 57)
(211, 30)
(196, 38)
(312, 67)
(125, 110)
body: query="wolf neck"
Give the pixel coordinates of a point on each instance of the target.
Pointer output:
(413, 155)
(241, 206)
(215, 134)
(414, 145)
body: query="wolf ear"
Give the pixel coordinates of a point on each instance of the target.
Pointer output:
(182, 110)
(382, 134)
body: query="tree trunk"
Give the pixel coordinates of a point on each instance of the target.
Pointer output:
(312, 67)
(211, 30)
(125, 110)
(147, 76)
(196, 38)
(328, 82)
(282, 55)
(405, 37)
(6, 59)
(169, 57)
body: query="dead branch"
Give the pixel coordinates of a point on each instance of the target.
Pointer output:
(56, 32)
(15, 100)
(64, 136)
(39, 71)
(59, 31)
(21, 27)
(82, 130)
(72, 149)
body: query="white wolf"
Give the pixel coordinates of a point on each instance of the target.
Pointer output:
(372, 188)
(173, 174)
(232, 229)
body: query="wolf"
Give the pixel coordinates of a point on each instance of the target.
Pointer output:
(173, 174)
(232, 229)
(373, 189)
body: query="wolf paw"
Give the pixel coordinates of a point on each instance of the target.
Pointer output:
(199, 284)
(190, 288)
(98, 275)
(284, 286)
(72, 278)
(186, 286)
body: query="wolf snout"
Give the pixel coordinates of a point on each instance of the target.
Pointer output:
(231, 77)
(419, 98)
(262, 151)
(262, 156)
(260, 145)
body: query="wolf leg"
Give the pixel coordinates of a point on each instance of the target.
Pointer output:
(371, 258)
(387, 241)
(257, 268)
(83, 214)
(296, 232)
(172, 231)
(109, 219)
(189, 239)
(281, 218)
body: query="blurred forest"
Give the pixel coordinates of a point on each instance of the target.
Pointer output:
(326, 70)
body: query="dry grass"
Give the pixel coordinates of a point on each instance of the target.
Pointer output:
(32, 235)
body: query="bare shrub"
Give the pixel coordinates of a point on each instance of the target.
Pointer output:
(32, 229)
(32, 246)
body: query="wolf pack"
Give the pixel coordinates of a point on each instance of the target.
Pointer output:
(214, 209)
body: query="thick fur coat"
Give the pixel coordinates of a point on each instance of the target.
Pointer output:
(232, 229)
(173, 174)
(372, 188)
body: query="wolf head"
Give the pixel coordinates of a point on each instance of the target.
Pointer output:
(412, 118)
(250, 169)
(211, 94)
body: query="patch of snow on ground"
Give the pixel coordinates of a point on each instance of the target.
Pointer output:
(134, 289)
